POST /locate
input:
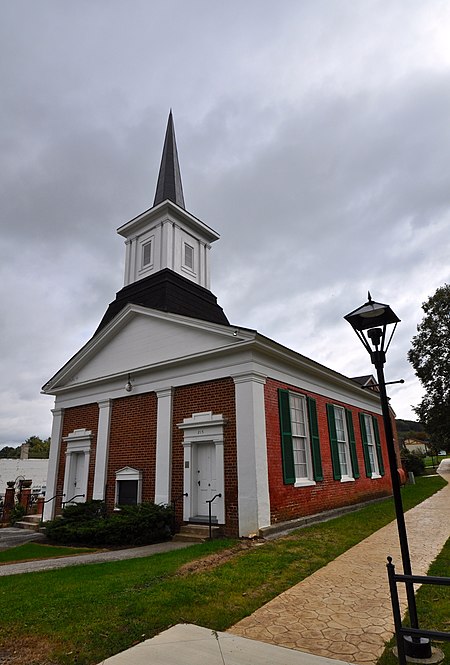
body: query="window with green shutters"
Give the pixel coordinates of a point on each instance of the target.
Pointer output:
(300, 445)
(373, 456)
(342, 442)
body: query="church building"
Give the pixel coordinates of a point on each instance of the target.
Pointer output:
(169, 402)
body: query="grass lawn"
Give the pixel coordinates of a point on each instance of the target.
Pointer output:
(31, 551)
(433, 607)
(84, 614)
(434, 461)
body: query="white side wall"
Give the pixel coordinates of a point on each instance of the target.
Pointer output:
(30, 469)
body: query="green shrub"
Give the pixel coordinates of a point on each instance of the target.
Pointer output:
(413, 461)
(82, 512)
(132, 525)
(17, 513)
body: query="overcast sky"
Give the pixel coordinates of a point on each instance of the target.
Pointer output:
(314, 136)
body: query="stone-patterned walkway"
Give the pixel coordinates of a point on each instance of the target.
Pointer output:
(344, 610)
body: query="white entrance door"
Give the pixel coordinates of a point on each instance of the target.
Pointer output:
(76, 478)
(206, 477)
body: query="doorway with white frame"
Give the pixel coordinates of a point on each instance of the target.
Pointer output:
(203, 467)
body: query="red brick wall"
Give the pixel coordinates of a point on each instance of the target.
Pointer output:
(78, 417)
(218, 397)
(287, 501)
(132, 442)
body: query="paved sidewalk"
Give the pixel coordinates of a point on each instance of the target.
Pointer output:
(98, 557)
(186, 644)
(344, 610)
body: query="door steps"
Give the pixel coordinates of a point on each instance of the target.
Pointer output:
(196, 533)
(30, 522)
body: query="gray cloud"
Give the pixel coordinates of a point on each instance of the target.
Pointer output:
(313, 136)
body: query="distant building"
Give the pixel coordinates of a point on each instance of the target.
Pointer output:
(25, 469)
(416, 445)
(169, 402)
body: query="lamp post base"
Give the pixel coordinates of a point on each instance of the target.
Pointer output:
(417, 648)
(437, 656)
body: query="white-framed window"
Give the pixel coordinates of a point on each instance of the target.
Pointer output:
(300, 444)
(370, 443)
(343, 444)
(188, 256)
(147, 254)
(342, 440)
(128, 487)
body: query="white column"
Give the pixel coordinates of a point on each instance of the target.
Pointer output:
(53, 463)
(127, 277)
(253, 481)
(163, 446)
(133, 260)
(207, 283)
(101, 455)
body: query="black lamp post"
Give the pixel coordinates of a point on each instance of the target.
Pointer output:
(370, 322)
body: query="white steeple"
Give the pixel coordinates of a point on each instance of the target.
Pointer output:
(166, 235)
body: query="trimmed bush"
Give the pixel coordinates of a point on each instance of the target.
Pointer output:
(413, 461)
(89, 524)
(17, 513)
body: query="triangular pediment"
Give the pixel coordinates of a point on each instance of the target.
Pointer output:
(140, 338)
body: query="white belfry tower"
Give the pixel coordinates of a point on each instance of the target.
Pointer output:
(166, 235)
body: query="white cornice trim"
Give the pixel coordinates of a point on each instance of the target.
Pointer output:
(172, 210)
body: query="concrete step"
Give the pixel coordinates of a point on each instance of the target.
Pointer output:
(196, 533)
(30, 522)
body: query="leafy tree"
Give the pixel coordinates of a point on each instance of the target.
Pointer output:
(8, 452)
(408, 425)
(39, 448)
(430, 357)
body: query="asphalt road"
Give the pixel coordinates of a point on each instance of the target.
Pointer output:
(11, 536)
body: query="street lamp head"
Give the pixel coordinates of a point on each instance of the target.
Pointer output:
(373, 317)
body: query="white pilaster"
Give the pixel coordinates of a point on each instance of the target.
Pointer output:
(133, 259)
(127, 278)
(101, 455)
(163, 469)
(253, 481)
(53, 463)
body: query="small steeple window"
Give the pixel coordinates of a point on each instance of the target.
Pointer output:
(188, 256)
(147, 254)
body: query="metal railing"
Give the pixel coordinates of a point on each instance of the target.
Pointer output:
(401, 632)
(64, 503)
(52, 498)
(209, 513)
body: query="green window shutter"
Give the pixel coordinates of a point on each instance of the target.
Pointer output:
(378, 446)
(365, 448)
(287, 453)
(333, 443)
(352, 443)
(315, 443)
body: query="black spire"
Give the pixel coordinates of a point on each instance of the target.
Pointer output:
(169, 180)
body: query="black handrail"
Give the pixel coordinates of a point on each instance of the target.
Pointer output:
(52, 498)
(209, 512)
(70, 500)
(401, 631)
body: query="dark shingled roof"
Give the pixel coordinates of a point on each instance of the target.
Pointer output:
(363, 380)
(167, 291)
(169, 180)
